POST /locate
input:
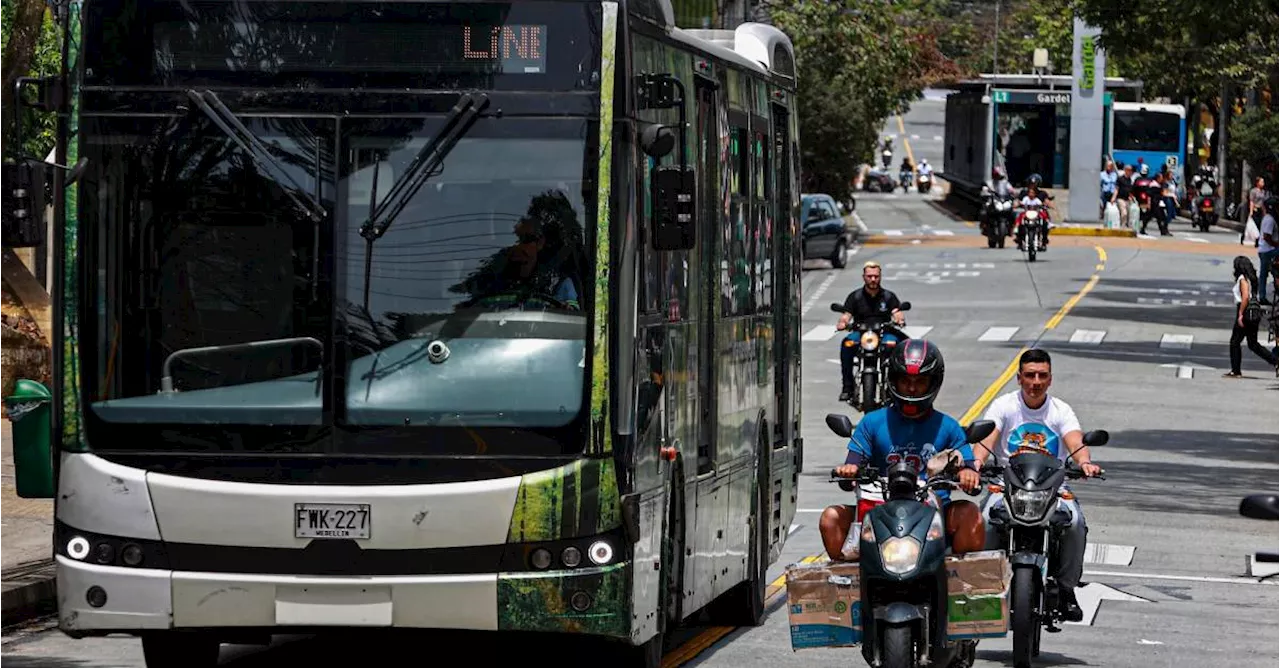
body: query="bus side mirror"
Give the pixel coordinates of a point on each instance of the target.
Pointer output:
(674, 190)
(24, 200)
(674, 210)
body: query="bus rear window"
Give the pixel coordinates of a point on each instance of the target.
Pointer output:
(1146, 131)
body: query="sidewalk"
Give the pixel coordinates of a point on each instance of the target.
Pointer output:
(27, 538)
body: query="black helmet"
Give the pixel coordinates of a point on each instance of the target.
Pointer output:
(916, 357)
(1034, 180)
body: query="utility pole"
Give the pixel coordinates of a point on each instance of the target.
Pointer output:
(1220, 134)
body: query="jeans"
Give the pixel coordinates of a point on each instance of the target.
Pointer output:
(1067, 566)
(1248, 332)
(1266, 271)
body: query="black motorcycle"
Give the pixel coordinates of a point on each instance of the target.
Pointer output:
(874, 342)
(902, 550)
(1203, 201)
(996, 219)
(1030, 525)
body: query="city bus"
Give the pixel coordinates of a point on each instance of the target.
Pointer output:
(1156, 134)
(438, 315)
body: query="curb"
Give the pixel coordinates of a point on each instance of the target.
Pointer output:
(1087, 231)
(30, 591)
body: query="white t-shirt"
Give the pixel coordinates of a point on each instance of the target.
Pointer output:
(1021, 428)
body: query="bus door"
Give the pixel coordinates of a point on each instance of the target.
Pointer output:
(706, 155)
(783, 303)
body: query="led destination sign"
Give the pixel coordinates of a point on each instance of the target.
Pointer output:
(352, 46)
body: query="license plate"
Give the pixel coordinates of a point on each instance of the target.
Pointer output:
(331, 520)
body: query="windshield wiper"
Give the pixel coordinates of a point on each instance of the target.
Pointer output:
(223, 117)
(424, 166)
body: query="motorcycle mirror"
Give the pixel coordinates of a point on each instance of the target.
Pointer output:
(1097, 438)
(1259, 506)
(904, 306)
(840, 424)
(837, 307)
(976, 431)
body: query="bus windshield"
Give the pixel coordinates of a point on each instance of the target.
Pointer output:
(268, 266)
(1146, 131)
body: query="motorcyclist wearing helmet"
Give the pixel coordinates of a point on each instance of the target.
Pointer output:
(1155, 195)
(1032, 196)
(910, 429)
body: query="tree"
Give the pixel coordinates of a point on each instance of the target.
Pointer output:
(1188, 48)
(31, 48)
(1253, 139)
(856, 65)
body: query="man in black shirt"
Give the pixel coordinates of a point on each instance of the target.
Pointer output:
(870, 303)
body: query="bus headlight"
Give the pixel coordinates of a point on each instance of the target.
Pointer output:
(899, 555)
(541, 558)
(78, 548)
(600, 553)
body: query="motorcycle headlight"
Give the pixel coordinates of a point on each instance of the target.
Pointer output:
(899, 555)
(1004, 206)
(1030, 505)
(935, 528)
(870, 340)
(1033, 214)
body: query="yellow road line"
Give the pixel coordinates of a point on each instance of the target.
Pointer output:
(709, 637)
(902, 132)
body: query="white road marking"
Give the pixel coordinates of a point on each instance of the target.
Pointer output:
(1104, 554)
(917, 331)
(1091, 596)
(1176, 341)
(1184, 578)
(794, 528)
(944, 233)
(1144, 641)
(893, 233)
(1089, 336)
(820, 333)
(937, 137)
(998, 334)
(817, 294)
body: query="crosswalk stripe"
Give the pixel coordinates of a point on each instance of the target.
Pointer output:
(893, 233)
(820, 333)
(998, 334)
(1176, 341)
(1091, 336)
(917, 331)
(944, 233)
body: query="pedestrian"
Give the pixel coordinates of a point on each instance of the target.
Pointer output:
(1124, 194)
(1267, 246)
(1109, 177)
(1248, 315)
(1257, 198)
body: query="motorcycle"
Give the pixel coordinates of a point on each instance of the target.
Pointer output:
(996, 219)
(904, 180)
(901, 554)
(1032, 222)
(874, 342)
(886, 156)
(1206, 214)
(924, 183)
(1030, 524)
(1262, 507)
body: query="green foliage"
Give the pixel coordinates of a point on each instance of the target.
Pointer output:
(1252, 138)
(856, 66)
(46, 60)
(1187, 47)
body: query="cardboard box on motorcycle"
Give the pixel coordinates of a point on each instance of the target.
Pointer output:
(825, 608)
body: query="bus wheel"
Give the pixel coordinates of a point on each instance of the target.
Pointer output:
(171, 649)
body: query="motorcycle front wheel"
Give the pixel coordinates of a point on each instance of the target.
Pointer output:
(899, 650)
(1023, 620)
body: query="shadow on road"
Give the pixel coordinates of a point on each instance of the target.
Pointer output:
(1044, 659)
(19, 661)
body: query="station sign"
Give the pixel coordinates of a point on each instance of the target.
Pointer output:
(1035, 97)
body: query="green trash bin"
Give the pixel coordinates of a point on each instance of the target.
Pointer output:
(28, 408)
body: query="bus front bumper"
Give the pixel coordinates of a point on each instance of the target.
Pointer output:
(96, 600)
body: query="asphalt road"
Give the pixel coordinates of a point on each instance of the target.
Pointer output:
(1183, 450)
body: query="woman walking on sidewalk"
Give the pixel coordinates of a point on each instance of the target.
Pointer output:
(1248, 315)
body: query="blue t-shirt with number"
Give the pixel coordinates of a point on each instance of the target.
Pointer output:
(885, 437)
